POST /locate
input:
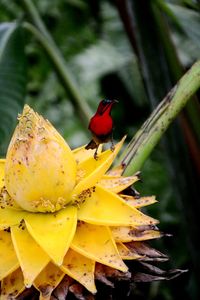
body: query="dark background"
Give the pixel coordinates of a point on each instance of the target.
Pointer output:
(132, 51)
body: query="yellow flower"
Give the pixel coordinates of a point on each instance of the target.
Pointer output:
(62, 211)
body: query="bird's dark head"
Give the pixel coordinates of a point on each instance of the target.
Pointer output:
(105, 106)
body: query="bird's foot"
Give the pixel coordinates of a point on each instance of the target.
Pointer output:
(95, 154)
(112, 148)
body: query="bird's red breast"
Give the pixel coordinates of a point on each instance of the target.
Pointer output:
(101, 124)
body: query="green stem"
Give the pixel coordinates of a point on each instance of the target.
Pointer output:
(165, 8)
(192, 108)
(44, 37)
(32, 11)
(152, 130)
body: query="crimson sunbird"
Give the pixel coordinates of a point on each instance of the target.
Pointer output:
(101, 126)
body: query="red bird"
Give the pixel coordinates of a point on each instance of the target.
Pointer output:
(101, 125)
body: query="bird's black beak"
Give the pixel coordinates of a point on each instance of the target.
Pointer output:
(115, 101)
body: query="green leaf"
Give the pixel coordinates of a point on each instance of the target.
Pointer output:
(12, 79)
(189, 20)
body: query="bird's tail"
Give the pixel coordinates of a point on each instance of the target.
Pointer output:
(91, 145)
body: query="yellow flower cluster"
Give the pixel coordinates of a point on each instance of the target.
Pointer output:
(61, 211)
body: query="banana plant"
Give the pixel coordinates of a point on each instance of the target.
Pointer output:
(30, 214)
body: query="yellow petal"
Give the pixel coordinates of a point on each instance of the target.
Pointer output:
(53, 232)
(92, 170)
(8, 258)
(128, 234)
(147, 235)
(31, 257)
(138, 202)
(80, 268)
(96, 243)
(122, 233)
(6, 201)
(48, 280)
(81, 154)
(40, 168)
(106, 208)
(2, 167)
(13, 285)
(125, 252)
(10, 217)
(116, 171)
(117, 184)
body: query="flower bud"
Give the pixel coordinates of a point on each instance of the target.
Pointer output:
(40, 168)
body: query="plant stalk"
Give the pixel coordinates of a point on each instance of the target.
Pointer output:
(153, 129)
(41, 33)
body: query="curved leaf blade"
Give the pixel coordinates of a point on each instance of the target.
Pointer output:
(12, 79)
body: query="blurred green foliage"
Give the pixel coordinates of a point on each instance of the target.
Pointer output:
(98, 53)
(12, 78)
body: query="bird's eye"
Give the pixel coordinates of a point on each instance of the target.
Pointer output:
(106, 101)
